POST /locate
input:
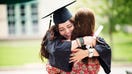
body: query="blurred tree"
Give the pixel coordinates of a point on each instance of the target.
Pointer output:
(117, 12)
(122, 11)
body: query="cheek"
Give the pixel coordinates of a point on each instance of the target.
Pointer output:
(72, 29)
(61, 33)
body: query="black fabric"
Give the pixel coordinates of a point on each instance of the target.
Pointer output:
(61, 15)
(62, 60)
(59, 54)
(104, 51)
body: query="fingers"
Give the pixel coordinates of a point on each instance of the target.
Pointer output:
(72, 59)
(75, 50)
(72, 54)
(76, 56)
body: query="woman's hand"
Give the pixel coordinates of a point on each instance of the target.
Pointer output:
(78, 54)
(89, 40)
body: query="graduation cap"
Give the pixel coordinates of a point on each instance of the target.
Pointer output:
(58, 9)
(61, 15)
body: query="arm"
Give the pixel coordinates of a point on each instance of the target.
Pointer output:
(69, 45)
(101, 50)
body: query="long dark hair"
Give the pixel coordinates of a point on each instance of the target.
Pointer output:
(51, 34)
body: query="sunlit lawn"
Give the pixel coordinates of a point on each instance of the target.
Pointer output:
(27, 51)
(122, 47)
(19, 52)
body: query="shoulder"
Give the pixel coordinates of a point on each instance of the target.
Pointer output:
(100, 40)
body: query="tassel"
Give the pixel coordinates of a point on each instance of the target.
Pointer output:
(50, 21)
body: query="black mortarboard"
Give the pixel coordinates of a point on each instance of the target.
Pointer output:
(61, 15)
(58, 9)
(50, 6)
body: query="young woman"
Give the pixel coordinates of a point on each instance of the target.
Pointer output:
(62, 34)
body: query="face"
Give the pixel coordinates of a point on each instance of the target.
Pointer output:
(65, 29)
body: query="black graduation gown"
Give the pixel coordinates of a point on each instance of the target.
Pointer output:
(59, 54)
(104, 51)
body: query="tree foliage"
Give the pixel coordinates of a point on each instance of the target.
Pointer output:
(118, 12)
(122, 11)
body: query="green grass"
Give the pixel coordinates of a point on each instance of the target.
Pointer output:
(122, 47)
(19, 52)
